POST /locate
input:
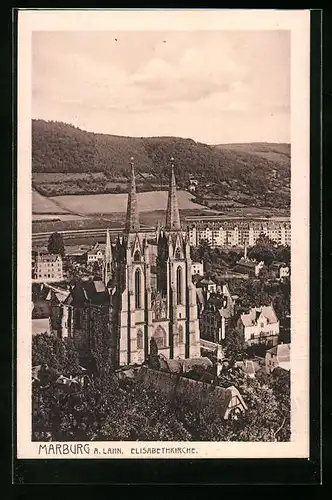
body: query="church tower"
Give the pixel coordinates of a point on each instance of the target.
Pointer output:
(107, 268)
(176, 273)
(153, 295)
(132, 284)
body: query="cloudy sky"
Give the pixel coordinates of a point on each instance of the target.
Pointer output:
(215, 87)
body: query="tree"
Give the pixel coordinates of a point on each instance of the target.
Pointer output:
(60, 356)
(105, 411)
(55, 244)
(263, 250)
(96, 268)
(264, 274)
(204, 251)
(233, 345)
(283, 254)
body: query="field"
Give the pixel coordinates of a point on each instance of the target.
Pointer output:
(54, 217)
(110, 203)
(41, 204)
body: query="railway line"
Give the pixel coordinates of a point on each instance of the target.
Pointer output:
(84, 233)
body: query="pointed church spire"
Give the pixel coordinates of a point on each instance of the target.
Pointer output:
(172, 213)
(158, 230)
(108, 258)
(132, 220)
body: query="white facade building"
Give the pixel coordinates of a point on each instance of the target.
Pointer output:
(197, 268)
(230, 233)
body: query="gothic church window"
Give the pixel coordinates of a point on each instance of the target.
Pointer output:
(137, 256)
(179, 285)
(137, 289)
(160, 337)
(140, 343)
(181, 337)
(178, 254)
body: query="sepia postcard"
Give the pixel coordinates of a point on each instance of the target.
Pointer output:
(163, 234)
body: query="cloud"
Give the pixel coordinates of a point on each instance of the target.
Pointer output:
(164, 83)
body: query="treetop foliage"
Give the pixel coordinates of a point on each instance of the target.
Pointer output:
(61, 148)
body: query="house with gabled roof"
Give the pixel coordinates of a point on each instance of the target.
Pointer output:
(279, 270)
(249, 367)
(82, 315)
(248, 266)
(216, 314)
(95, 254)
(278, 357)
(259, 325)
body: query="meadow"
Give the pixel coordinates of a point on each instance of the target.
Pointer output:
(54, 217)
(41, 204)
(110, 203)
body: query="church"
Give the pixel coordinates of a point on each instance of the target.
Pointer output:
(147, 292)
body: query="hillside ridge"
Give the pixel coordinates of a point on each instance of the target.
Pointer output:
(68, 160)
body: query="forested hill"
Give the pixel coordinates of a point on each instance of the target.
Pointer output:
(257, 168)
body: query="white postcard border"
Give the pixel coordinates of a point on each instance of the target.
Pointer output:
(298, 22)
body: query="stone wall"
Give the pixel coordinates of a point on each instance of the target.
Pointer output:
(195, 393)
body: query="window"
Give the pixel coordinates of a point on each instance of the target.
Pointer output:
(137, 256)
(178, 254)
(137, 289)
(140, 342)
(160, 336)
(181, 337)
(179, 285)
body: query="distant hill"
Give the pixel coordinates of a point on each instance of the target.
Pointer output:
(250, 170)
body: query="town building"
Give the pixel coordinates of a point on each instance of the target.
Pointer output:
(217, 311)
(259, 326)
(248, 367)
(279, 270)
(197, 268)
(147, 293)
(42, 296)
(278, 357)
(40, 319)
(94, 255)
(47, 268)
(247, 266)
(83, 316)
(236, 232)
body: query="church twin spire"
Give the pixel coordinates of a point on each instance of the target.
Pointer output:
(132, 224)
